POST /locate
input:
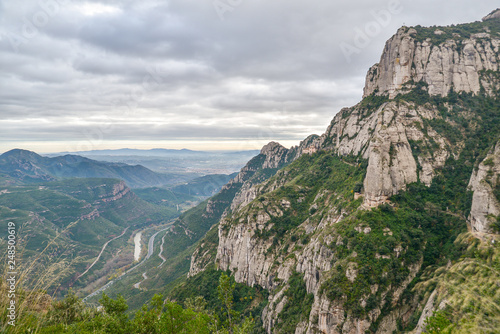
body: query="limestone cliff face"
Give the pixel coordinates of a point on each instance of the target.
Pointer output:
(401, 141)
(272, 156)
(458, 63)
(383, 137)
(248, 257)
(484, 181)
(391, 136)
(275, 155)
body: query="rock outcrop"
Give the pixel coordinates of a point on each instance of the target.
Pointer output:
(485, 183)
(458, 64)
(275, 155)
(493, 15)
(383, 138)
(119, 190)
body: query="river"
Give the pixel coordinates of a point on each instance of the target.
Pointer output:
(137, 243)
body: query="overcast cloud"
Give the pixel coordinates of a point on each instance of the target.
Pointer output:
(149, 73)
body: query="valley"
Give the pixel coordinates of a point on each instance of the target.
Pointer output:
(71, 219)
(137, 251)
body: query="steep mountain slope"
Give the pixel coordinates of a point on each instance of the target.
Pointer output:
(26, 166)
(369, 224)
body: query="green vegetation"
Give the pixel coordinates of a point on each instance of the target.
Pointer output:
(421, 232)
(70, 316)
(439, 323)
(298, 306)
(63, 225)
(468, 287)
(248, 301)
(457, 32)
(371, 103)
(470, 123)
(307, 177)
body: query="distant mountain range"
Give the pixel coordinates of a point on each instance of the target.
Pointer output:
(22, 166)
(182, 165)
(156, 152)
(131, 151)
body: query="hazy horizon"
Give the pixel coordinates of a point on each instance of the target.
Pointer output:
(124, 148)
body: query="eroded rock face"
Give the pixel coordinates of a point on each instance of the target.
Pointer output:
(391, 165)
(275, 154)
(493, 15)
(243, 254)
(119, 190)
(449, 64)
(485, 205)
(383, 137)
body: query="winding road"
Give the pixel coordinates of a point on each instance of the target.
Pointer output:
(161, 251)
(102, 250)
(136, 285)
(150, 252)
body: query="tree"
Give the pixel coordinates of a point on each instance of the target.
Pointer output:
(229, 324)
(67, 311)
(439, 323)
(114, 320)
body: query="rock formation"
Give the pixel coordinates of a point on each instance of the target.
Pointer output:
(458, 64)
(485, 183)
(400, 141)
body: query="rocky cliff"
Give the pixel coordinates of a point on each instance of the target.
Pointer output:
(493, 15)
(459, 63)
(485, 184)
(383, 137)
(361, 212)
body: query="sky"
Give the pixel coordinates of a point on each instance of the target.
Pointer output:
(199, 74)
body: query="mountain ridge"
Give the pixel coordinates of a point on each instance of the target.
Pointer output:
(28, 166)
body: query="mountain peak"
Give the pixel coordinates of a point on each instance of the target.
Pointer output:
(442, 58)
(271, 147)
(493, 15)
(20, 153)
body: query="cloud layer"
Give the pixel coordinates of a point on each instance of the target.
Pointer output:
(109, 72)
